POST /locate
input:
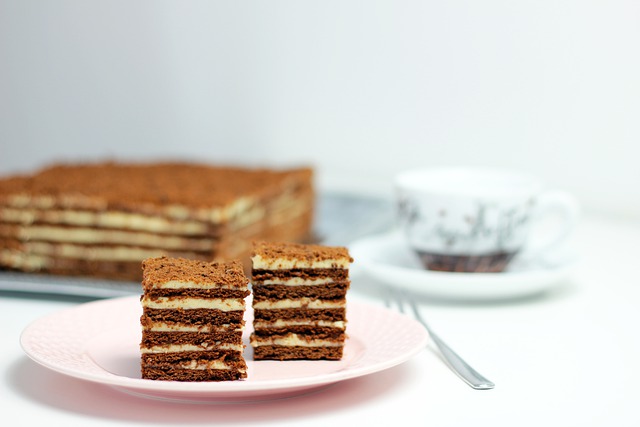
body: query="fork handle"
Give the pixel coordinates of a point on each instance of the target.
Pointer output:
(460, 367)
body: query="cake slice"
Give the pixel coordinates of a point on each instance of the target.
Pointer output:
(299, 301)
(192, 320)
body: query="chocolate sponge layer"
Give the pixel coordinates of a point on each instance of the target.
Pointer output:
(267, 352)
(195, 316)
(329, 314)
(332, 291)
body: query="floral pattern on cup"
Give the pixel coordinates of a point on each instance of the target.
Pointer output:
(472, 231)
(478, 223)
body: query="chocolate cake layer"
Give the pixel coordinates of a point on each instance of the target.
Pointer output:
(331, 291)
(191, 375)
(194, 316)
(268, 352)
(60, 258)
(176, 209)
(296, 313)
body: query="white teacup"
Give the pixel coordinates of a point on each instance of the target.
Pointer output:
(476, 219)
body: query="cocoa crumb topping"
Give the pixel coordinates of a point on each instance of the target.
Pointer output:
(298, 251)
(164, 269)
(127, 185)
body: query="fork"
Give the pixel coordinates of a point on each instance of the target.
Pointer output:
(451, 358)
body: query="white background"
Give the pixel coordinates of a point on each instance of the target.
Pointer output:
(359, 89)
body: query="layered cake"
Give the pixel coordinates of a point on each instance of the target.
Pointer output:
(299, 300)
(192, 320)
(103, 219)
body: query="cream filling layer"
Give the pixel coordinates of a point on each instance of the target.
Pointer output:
(298, 281)
(22, 261)
(98, 253)
(298, 303)
(177, 284)
(288, 209)
(186, 303)
(259, 324)
(108, 219)
(102, 236)
(204, 366)
(181, 327)
(293, 340)
(176, 348)
(76, 202)
(260, 263)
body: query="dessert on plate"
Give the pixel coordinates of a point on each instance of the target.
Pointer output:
(192, 320)
(299, 300)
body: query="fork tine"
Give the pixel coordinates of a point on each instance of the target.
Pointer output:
(387, 296)
(414, 307)
(450, 357)
(399, 300)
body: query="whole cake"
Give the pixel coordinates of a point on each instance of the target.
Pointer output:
(299, 300)
(103, 219)
(192, 320)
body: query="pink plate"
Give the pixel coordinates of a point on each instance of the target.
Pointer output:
(99, 342)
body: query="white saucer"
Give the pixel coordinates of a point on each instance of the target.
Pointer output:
(388, 259)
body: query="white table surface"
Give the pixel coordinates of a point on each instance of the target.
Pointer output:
(570, 357)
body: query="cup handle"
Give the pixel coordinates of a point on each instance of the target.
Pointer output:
(550, 202)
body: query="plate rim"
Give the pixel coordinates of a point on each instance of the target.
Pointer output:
(217, 389)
